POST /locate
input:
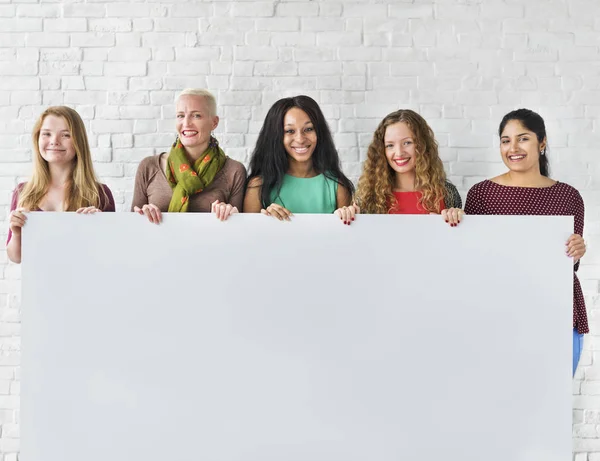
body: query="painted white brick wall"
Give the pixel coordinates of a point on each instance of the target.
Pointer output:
(460, 63)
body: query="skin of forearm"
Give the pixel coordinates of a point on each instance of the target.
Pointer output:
(13, 250)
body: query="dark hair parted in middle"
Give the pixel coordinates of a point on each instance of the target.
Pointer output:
(269, 160)
(534, 122)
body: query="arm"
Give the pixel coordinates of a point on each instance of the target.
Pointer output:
(452, 212)
(235, 201)
(16, 222)
(578, 214)
(140, 203)
(236, 197)
(343, 197)
(13, 249)
(252, 202)
(107, 204)
(452, 196)
(140, 188)
(345, 209)
(473, 204)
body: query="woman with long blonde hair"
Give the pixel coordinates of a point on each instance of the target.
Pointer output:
(403, 173)
(63, 176)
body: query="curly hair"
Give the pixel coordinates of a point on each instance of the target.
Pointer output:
(375, 186)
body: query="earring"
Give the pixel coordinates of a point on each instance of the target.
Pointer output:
(543, 152)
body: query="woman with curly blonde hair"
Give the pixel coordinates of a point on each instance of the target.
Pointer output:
(403, 173)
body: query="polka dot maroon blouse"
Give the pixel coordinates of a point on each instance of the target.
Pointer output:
(489, 198)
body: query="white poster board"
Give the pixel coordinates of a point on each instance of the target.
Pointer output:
(395, 338)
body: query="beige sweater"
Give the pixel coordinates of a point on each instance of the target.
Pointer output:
(151, 186)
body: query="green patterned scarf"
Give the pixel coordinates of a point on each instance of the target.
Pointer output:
(187, 181)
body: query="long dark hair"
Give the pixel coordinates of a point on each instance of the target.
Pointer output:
(533, 122)
(269, 160)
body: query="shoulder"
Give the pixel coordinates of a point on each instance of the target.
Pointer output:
(107, 200)
(17, 190)
(478, 194)
(567, 190)
(105, 188)
(255, 181)
(147, 169)
(150, 163)
(15, 196)
(335, 180)
(450, 188)
(480, 186)
(234, 166)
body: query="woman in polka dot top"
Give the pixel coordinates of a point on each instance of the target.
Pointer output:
(526, 189)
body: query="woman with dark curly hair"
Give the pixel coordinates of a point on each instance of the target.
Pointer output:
(403, 173)
(295, 167)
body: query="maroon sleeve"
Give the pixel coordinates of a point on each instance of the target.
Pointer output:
(13, 206)
(473, 204)
(108, 203)
(578, 214)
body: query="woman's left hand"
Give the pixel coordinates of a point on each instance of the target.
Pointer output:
(453, 216)
(223, 210)
(88, 210)
(575, 247)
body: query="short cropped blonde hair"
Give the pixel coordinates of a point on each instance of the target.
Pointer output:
(211, 102)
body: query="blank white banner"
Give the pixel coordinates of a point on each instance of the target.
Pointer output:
(396, 338)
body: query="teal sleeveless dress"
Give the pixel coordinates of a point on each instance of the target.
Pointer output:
(307, 195)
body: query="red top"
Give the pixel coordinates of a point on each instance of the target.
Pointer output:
(489, 198)
(408, 203)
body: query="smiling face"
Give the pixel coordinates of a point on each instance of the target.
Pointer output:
(55, 142)
(400, 149)
(194, 121)
(520, 147)
(299, 135)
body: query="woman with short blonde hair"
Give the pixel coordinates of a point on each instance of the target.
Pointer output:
(195, 175)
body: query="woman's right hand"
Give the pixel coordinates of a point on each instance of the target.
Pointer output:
(452, 216)
(151, 211)
(277, 211)
(347, 213)
(17, 220)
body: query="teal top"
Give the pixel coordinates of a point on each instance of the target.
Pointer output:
(307, 195)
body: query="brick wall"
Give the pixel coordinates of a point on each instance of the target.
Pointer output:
(461, 63)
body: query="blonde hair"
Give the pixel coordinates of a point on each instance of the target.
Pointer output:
(83, 188)
(375, 186)
(211, 102)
